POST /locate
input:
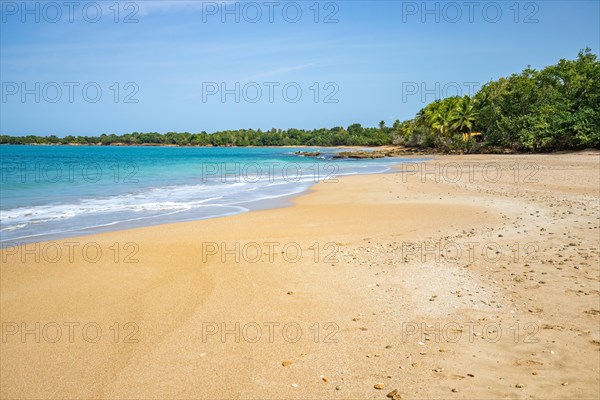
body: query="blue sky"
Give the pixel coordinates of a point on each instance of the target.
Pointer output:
(370, 61)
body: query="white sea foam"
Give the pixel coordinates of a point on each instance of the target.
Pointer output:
(166, 201)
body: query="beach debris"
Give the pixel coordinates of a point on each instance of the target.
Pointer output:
(379, 386)
(439, 370)
(338, 387)
(287, 363)
(394, 395)
(455, 390)
(324, 379)
(294, 385)
(520, 385)
(290, 292)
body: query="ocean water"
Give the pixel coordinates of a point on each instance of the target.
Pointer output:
(51, 192)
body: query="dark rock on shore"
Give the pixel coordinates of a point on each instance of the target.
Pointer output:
(308, 153)
(359, 154)
(368, 154)
(380, 153)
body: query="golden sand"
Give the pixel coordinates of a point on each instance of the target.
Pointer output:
(479, 286)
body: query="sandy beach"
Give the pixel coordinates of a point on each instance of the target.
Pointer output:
(471, 277)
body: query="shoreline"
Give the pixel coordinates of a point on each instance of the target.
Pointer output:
(400, 150)
(369, 301)
(273, 202)
(194, 146)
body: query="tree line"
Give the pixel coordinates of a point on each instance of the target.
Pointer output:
(354, 135)
(556, 108)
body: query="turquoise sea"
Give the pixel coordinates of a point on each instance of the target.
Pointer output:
(50, 192)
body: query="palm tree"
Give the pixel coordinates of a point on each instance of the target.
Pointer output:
(426, 115)
(463, 116)
(442, 119)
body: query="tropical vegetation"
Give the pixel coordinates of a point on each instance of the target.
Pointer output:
(556, 108)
